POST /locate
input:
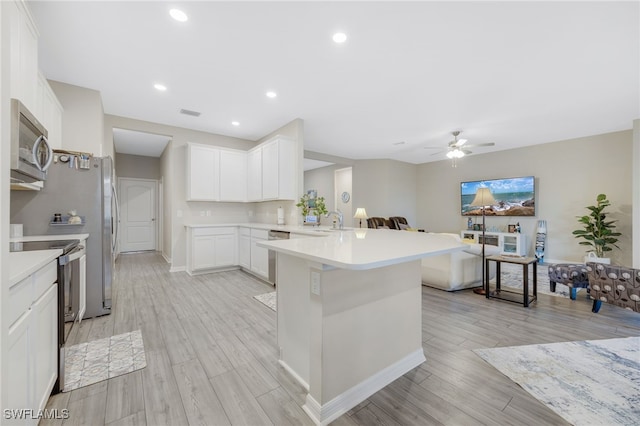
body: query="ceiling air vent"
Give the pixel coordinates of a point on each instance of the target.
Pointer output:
(189, 112)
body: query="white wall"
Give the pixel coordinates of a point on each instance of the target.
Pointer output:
(386, 188)
(569, 175)
(138, 166)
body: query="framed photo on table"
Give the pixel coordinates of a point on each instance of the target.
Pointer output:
(512, 228)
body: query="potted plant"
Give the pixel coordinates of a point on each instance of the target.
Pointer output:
(598, 233)
(314, 206)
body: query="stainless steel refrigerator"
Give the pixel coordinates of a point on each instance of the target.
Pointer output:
(90, 191)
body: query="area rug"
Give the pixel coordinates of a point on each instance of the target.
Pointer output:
(267, 299)
(593, 382)
(92, 362)
(511, 276)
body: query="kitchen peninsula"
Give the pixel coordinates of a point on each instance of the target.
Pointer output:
(349, 312)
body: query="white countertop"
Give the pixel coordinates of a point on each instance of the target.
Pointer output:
(24, 263)
(25, 238)
(296, 229)
(361, 249)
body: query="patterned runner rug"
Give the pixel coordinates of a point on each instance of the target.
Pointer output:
(593, 382)
(267, 299)
(92, 362)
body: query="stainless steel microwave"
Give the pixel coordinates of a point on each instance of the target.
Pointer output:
(31, 154)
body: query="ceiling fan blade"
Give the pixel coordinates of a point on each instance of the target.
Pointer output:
(437, 153)
(432, 147)
(466, 151)
(475, 145)
(461, 142)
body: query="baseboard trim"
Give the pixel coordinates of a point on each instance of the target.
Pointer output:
(295, 375)
(177, 269)
(324, 414)
(166, 258)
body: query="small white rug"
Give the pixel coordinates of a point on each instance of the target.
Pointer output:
(267, 299)
(593, 382)
(92, 362)
(511, 276)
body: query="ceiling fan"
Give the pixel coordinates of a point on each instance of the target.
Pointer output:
(455, 148)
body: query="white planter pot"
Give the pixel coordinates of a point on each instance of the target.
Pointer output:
(591, 257)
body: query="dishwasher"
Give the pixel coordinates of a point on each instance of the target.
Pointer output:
(275, 235)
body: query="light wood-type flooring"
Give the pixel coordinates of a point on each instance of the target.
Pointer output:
(212, 357)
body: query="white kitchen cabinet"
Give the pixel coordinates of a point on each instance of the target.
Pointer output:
(32, 350)
(259, 255)
(45, 344)
(51, 117)
(203, 173)
(279, 169)
(210, 248)
(244, 248)
(23, 45)
(233, 175)
(254, 174)
(20, 359)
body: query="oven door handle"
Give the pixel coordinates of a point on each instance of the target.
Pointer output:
(76, 253)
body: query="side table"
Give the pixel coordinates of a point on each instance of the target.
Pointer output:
(511, 296)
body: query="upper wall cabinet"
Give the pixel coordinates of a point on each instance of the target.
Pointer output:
(203, 173)
(233, 175)
(266, 172)
(279, 169)
(254, 174)
(216, 174)
(49, 112)
(23, 44)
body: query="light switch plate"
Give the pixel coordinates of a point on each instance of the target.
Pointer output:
(315, 283)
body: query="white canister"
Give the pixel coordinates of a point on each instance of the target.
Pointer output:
(16, 230)
(280, 216)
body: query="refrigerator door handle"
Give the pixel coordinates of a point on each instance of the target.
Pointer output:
(116, 224)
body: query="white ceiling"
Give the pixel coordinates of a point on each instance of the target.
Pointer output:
(139, 143)
(513, 73)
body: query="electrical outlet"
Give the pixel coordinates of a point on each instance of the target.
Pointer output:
(315, 283)
(208, 212)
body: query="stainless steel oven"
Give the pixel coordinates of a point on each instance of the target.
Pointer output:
(31, 154)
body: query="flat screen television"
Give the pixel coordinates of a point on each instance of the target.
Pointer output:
(514, 197)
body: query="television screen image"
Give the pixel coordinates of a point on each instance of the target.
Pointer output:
(514, 197)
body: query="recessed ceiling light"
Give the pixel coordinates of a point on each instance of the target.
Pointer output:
(160, 87)
(271, 94)
(339, 37)
(178, 15)
(235, 123)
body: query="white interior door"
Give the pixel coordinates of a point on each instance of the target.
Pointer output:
(138, 209)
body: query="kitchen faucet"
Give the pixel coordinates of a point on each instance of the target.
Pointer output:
(340, 216)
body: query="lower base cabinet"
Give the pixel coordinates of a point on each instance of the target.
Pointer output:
(32, 353)
(210, 248)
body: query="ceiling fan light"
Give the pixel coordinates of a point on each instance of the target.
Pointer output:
(455, 153)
